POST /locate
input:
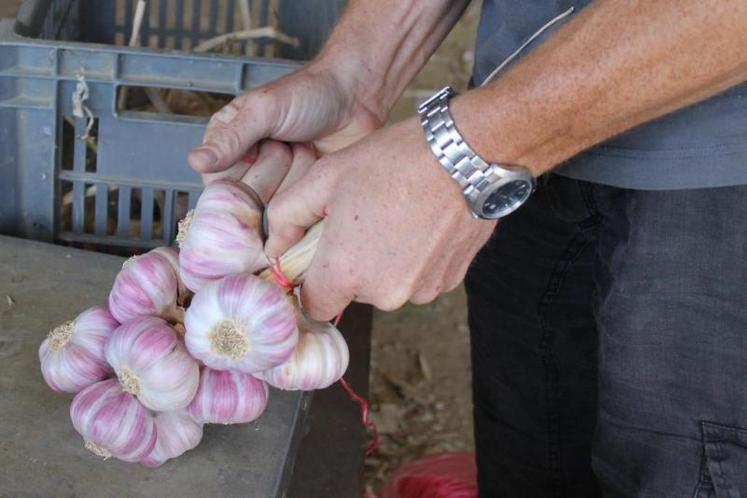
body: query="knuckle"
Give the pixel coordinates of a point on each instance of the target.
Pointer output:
(392, 300)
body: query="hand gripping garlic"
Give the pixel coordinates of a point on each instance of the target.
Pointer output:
(320, 359)
(146, 286)
(223, 235)
(113, 422)
(241, 322)
(228, 397)
(152, 364)
(72, 356)
(176, 434)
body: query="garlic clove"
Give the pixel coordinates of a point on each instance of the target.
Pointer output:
(177, 433)
(172, 256)
(223, 236)
(72, 356)
(113, 422)
(241, 322)
(151, 363)
(319, 360)
(146, 286)
(228, 397)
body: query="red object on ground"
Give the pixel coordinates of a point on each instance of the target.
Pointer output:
(445, 475)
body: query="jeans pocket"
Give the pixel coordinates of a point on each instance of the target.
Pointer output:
(725, 459)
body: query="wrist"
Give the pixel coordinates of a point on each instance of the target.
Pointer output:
(501, 128)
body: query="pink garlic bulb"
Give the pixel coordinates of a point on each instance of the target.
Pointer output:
(319, 360)
(152, 364)
(72, 356)
(113, 422)
(146, 286)
(223, 235)
(241, 322)
(172, 255)
(176, 434)
(228, 397)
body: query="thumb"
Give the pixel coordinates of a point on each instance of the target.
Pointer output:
(296, 208)
(233, 130)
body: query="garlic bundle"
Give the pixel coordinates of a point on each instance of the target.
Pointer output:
(72, 356)
(320, 359)
(113, 422)
(177, 433)
(228, 397)
(241, 322)
(152, 364)
(146, 286)
(222, 235)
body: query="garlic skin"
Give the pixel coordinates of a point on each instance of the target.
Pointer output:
(172, 256)
(113, 422)
(223, 237)
(241, 322)
(152, 364)
(146, 286)
(72, 356)
(228, 397)
(176, 434)
(319, 360)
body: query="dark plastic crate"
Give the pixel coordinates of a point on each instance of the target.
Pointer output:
(133, 187)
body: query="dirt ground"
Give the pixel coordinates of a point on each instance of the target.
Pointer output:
(420, 376)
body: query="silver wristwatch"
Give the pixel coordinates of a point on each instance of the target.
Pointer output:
(491, 190)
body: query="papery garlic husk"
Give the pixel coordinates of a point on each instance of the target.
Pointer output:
(319, 360)
(297, 259)
(153, 364)
(177, 433)
(223, 236)
(172, 255)
(72, 356)
(113, 422)
(146, 286)
(241, 322)
(228, 397)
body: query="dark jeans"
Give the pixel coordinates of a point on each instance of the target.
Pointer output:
(609, 345)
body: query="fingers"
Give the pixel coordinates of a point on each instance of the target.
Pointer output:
(232, 130)
(236, 170)
(298, 207)
(270, 168)
(304, 157)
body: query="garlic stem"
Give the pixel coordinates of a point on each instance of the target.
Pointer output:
(96, 449)
(60, 336)
(297, 259)
(229, 340)
(183, 227)
(174, 315)
(129, 381)
(127, 262)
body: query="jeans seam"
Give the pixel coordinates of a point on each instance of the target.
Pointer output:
(572, 251)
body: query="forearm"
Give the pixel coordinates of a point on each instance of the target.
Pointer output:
(620, 63)
(379, 45)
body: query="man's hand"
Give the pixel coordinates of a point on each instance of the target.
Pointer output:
(344, 94)
(397, 227)
(312, 105)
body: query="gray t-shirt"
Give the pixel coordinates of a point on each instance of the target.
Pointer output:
(704, 145)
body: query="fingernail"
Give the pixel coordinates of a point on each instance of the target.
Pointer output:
(203, 158)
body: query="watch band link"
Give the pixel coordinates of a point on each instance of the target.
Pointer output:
(467, 168)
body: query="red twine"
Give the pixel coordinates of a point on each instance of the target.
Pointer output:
(285, 283)
(277, 272)
(370, 426)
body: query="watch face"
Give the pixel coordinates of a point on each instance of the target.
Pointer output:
(505, 198)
